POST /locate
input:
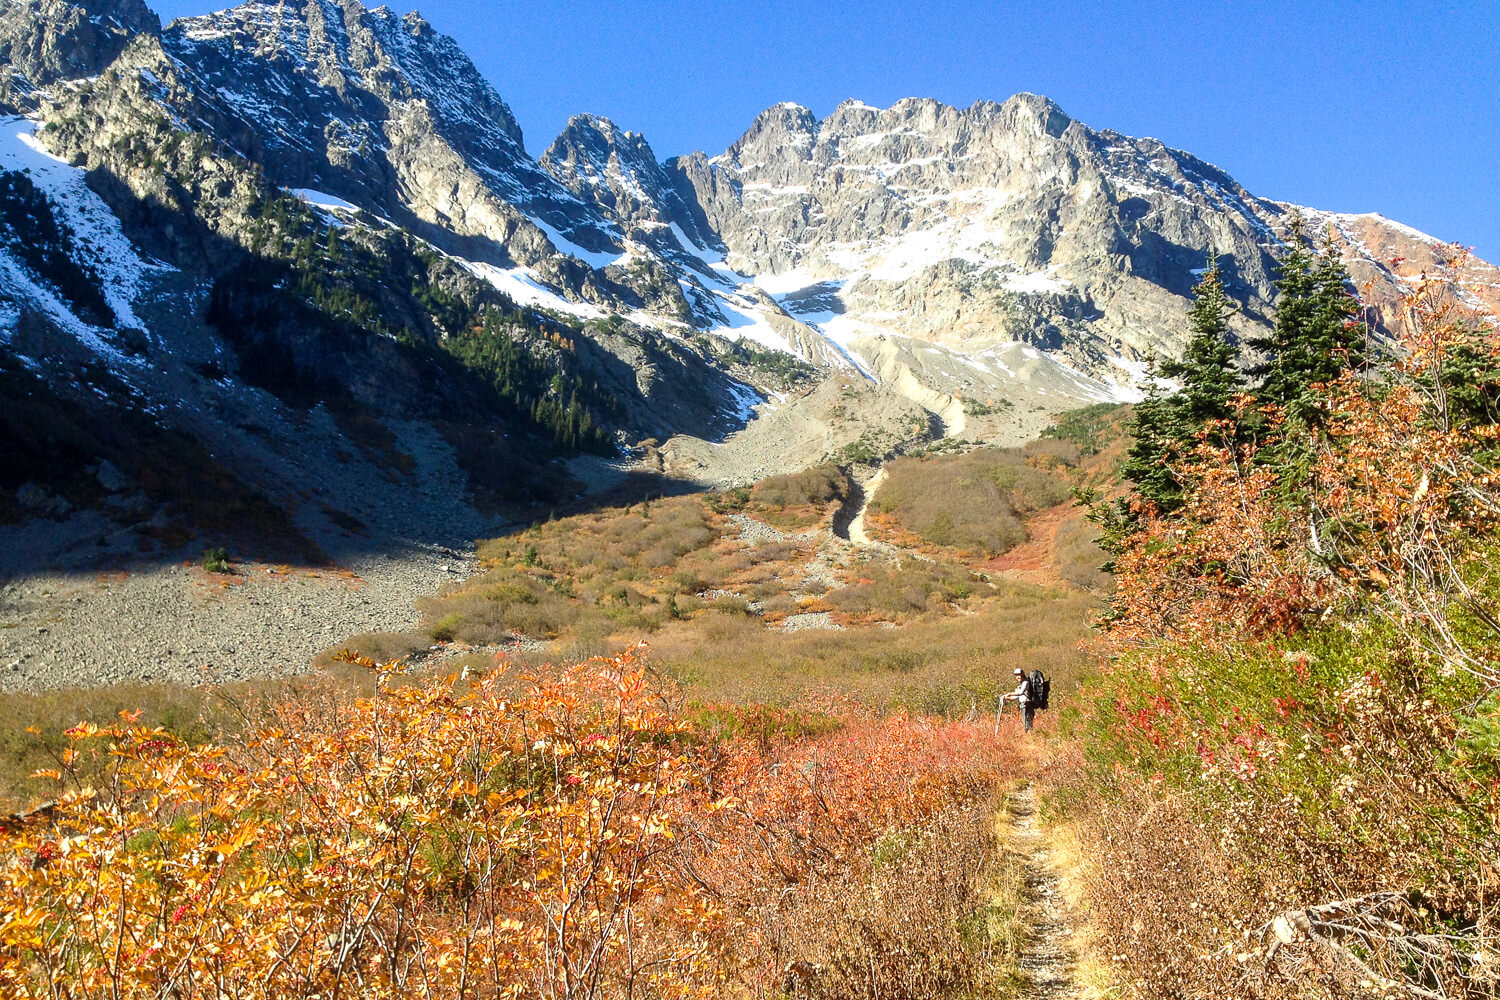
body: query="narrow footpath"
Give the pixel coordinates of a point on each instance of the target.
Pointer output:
(1048, 961)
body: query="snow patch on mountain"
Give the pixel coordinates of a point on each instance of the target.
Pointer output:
(97, 234)
(595, 259)
(521, 285)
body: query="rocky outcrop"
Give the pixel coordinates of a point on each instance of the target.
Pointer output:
(997, 223)
(618, 172)
(43, 42)
(384, 112)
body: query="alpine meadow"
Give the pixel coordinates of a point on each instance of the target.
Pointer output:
(916, 553)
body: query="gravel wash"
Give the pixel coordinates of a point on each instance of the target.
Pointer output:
(178, 623)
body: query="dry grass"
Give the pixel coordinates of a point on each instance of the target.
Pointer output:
(598, 581)
(938, 665)
(883, 591)
(1077, 555)
(976, 502)
(589, 576)
(1094, 974)
(932, 913)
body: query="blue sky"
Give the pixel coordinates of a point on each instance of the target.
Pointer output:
(1351, 107)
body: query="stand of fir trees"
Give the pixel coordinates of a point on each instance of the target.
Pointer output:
(1316, 339)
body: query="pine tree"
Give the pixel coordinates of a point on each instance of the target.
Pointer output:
(1315, 339)
(1207, 370)
(1154, 427)
(1165, 427)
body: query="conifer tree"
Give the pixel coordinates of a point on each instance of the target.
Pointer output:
(1166, 426)
(1315, 339)
(1154, 427)
(1207, 370)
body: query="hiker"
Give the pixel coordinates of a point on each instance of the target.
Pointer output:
(1025, 698)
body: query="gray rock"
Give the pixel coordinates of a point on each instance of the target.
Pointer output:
(40, 500)
(110, 477)
(45, 41)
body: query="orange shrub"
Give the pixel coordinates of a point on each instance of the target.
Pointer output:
(429, 842)
(556, 835)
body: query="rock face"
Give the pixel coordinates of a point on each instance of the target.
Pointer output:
(998, 223)
(299, 249)
(46, 41)
(617, 172)
(968, 228)
(384, 112)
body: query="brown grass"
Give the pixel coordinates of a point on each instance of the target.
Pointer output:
(939, 665)
(976, 502)
(1077, 554)
(932, 913)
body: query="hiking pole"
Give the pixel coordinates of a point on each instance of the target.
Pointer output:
(999, 706)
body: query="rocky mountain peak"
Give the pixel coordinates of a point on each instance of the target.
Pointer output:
(618, 172)
(383, 111)
(613, 168)
(1032, 109)
(782, 131)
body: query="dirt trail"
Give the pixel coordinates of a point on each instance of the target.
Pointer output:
(1034, 560)
(849, 524)
(856, 532)
(1048, 960)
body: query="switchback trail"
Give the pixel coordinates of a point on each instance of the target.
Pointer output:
(1048, 959)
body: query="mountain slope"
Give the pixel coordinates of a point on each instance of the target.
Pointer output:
(43, 42)
(307, 204)
(155, 262)
(976, 227)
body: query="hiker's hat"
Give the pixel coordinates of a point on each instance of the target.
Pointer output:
(1017, 671)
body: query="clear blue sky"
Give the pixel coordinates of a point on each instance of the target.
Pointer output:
(1352, 107)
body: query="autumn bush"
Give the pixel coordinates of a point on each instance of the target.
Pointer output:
(801, 499)
(427, 839)
(560, 833)
(976, 501)
(1300, 697)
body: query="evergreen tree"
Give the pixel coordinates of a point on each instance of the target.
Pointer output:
(1165, 427)
(1315, 339)
(1154, 426)
(1207, 370)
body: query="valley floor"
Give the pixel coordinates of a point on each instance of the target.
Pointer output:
(840, 670)
(178, 623)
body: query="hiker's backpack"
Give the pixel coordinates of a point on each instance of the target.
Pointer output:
(1041, 688)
